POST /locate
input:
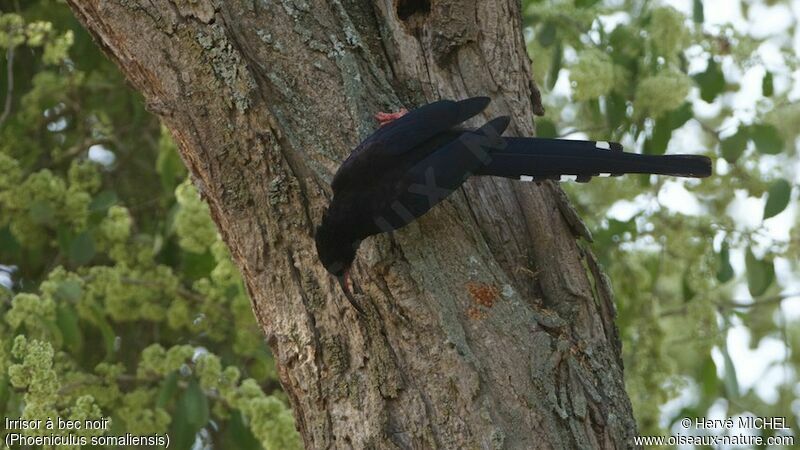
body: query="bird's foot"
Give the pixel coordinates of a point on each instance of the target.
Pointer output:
(384, 118)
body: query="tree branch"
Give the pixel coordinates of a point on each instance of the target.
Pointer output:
(9, 84)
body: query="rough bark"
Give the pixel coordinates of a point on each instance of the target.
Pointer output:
(488, 324)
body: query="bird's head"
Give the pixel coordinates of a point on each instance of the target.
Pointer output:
(336, 252)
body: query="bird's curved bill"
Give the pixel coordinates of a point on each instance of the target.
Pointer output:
(344, 282)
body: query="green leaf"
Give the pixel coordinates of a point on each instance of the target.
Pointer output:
(686, 286)
(54, 331)
(767, 87)
(709, 379)
(678, 117)
(5, 391)
(67, 321)
(733, 146)
(69, 291)
(545, 129)
(585, 3)
(8, 243)
(99, 320)
(653, 266)
(662, 133)
(760, 273)
(711, 82)
(555, 66)
(191, 414)
(197, 265)
(181, 435)
(547, 35)
(102, 201)
(626, 47)
(42, 212)
(730, 380)
(168, 389)
(196, 404)
(767, 139)
(616, 110)
(239, 434)
(64, 237)
(81, 249)
(777, 198)
(170, 167)
(697, 11)
(725, 270)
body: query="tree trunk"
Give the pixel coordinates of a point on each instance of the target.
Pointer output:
(488, 325)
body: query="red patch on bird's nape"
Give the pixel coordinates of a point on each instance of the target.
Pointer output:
(384, 118)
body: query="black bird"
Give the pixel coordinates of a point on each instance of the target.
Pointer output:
(419, 158)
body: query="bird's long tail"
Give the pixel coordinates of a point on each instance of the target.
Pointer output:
(534, 159)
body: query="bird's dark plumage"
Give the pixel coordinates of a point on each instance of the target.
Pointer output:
(409, 165)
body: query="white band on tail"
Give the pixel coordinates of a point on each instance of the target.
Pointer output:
(603, 144)
(525, 178)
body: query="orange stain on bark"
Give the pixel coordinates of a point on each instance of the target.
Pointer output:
(483, 295)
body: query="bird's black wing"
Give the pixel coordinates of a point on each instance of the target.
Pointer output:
(421, 124)
(405, 134)
(534, 159)
(435, 177)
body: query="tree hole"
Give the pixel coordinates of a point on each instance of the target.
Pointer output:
(408, 8)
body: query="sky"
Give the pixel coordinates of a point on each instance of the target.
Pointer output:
(759, 368)
(753, 367)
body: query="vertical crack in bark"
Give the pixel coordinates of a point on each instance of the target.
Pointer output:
(318, 356)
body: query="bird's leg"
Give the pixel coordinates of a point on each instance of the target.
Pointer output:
(384, 118)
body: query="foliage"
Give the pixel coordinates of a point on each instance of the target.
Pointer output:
(687, 277)
(124, 303)
(117, 269)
